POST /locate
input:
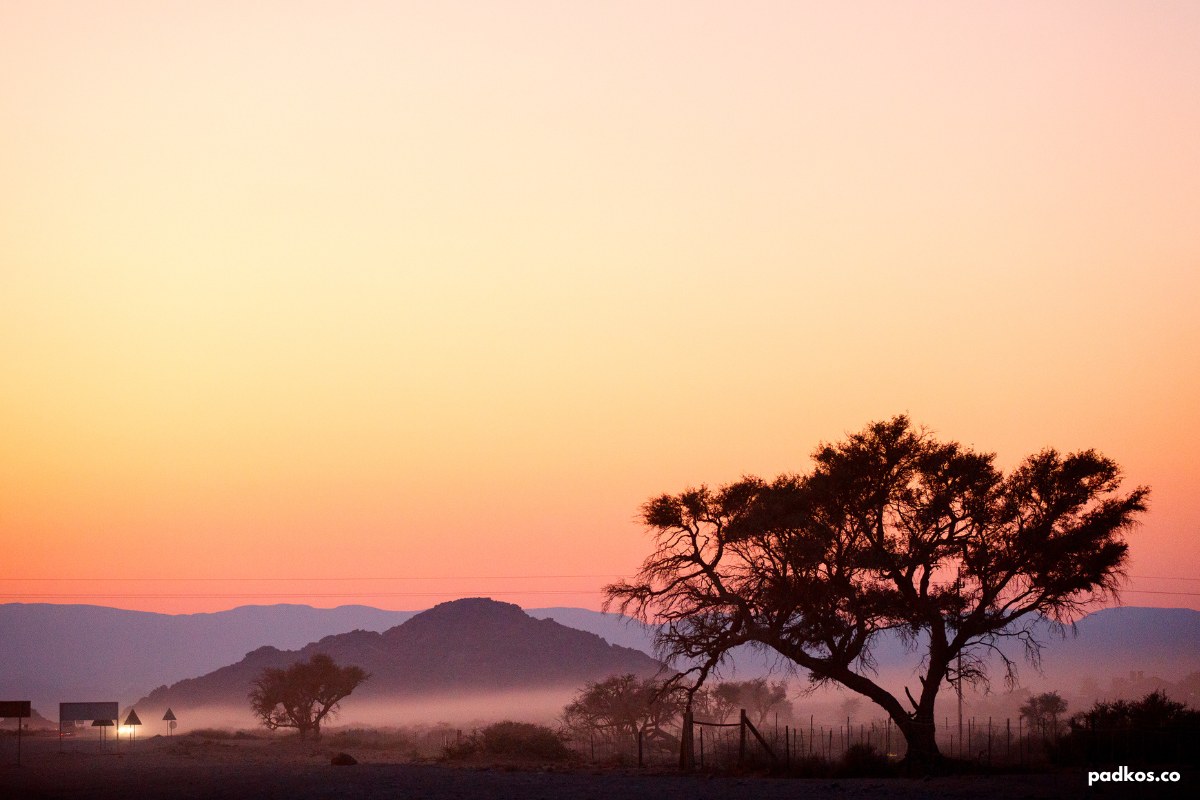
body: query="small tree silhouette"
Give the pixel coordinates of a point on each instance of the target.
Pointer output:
(624, 707)
(758, 696)
(1042, 712)
(304, 694)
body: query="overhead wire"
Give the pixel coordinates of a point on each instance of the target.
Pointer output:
(245, 595)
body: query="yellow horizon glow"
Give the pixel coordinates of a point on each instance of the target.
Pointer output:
(390, 291)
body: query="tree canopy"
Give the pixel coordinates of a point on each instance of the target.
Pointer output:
(892, 530)
(1042, 712)
(624, 707)
(304, 694)
(758, 696)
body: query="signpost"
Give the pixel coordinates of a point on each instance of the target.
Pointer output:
(21, 709)
(130, 722)
(169, 717)
(103, 725)
(84, 712)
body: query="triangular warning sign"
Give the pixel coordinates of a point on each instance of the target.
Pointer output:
(169, 716)
(132, 719)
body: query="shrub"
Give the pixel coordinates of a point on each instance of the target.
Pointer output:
(863, 761)
(513, 739)
(1153, 730)
(219, 733)
(811, 766)
(371, 738)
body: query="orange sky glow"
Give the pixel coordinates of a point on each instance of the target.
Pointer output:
(390, 303)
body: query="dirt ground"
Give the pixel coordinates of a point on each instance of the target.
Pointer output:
(187, 768)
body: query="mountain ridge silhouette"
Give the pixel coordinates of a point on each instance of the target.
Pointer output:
(461, 646)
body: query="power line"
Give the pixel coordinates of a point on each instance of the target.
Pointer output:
(327, 578)
(1162, 578)
(244, 595)
(1151, 591)
(380, 579)
(283, 595)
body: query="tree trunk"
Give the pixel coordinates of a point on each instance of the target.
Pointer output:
(919, 735)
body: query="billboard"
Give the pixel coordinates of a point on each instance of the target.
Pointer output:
(15, 708)
(70, 712)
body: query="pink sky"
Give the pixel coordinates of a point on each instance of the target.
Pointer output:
(425, 299)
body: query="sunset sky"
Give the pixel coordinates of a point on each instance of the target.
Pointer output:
(425, 299)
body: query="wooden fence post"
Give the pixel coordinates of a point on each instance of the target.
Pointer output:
(989, 741)
(687, 751)
(742, 737)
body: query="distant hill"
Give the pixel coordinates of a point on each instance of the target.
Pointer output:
(54, 653)
(613, 628)
(465, 646)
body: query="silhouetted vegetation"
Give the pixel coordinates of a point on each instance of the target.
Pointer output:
(626, 708)
(304, 694)
(1153, 730)
(892, 530)
(864, 761)
(375, 739)
(522, 740)
(1042, 712)
(758, 696)
(219, 734)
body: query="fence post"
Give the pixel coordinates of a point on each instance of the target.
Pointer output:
(742, 737)
(687, 751)
(989, 741)
(639, 742)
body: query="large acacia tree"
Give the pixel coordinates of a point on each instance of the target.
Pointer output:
(892, 530)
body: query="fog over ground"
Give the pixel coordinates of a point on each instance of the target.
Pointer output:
(828, 705)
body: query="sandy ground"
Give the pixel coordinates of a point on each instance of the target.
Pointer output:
(195, 769)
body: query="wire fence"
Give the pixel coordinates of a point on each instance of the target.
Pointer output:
(778, 743)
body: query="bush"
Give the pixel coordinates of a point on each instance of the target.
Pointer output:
(1153, 730)
(220, 733)
(811, 766)
(372, 739)
(863, 761)
(513, 739)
